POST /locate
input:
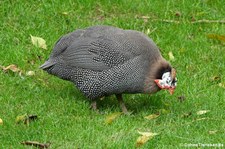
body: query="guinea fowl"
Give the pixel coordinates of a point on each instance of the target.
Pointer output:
(105, 60)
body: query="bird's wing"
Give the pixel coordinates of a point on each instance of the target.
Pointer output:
(61, 45)
(96, 53)
(65, 41)
(103, 47)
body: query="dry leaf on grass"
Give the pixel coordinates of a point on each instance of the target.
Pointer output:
(141, 140)
(171, 57)
(213, 132)
(145, 136)
(21, 118)
(26, 119)
(38, 42)
(30, 73)
(151, 116)
(216, 37)
(221, 85)
(216, 78)
(1, 121)
(65, 13)
(110, 118)
(11, 67)
(36, 144)
(201, 112)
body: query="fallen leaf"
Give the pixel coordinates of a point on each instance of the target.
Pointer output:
(216, 78)
(26, 119)
(216, 37)
(145, 136)
(1, 121)
(213, 132)
(171, 57)
(221, 85)
(21, 118)
(151, 116)
(11, 67)
(38, 42)
(36, 144)
(145, 17)
(201, 112)
(65, 13)
(110, 118)
(30, 73)
(141, 140)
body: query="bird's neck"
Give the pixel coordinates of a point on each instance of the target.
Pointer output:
(156, 69)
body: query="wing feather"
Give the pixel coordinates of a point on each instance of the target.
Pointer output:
(94, 53)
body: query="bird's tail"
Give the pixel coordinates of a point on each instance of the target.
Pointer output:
(47, 64)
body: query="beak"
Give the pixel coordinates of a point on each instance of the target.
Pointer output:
(171, 90)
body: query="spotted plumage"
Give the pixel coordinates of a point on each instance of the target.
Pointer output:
(105, 60)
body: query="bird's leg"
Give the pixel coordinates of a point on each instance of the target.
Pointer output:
(93, 105)
(122, 105)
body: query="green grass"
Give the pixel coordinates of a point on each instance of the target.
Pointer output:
(64, 118)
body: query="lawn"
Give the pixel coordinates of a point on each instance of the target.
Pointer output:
(64, 118)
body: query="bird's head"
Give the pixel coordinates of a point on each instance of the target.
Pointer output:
(168, 81)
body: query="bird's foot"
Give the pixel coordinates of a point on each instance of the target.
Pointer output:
(124, 109)
(122, 105)
(94, 106)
